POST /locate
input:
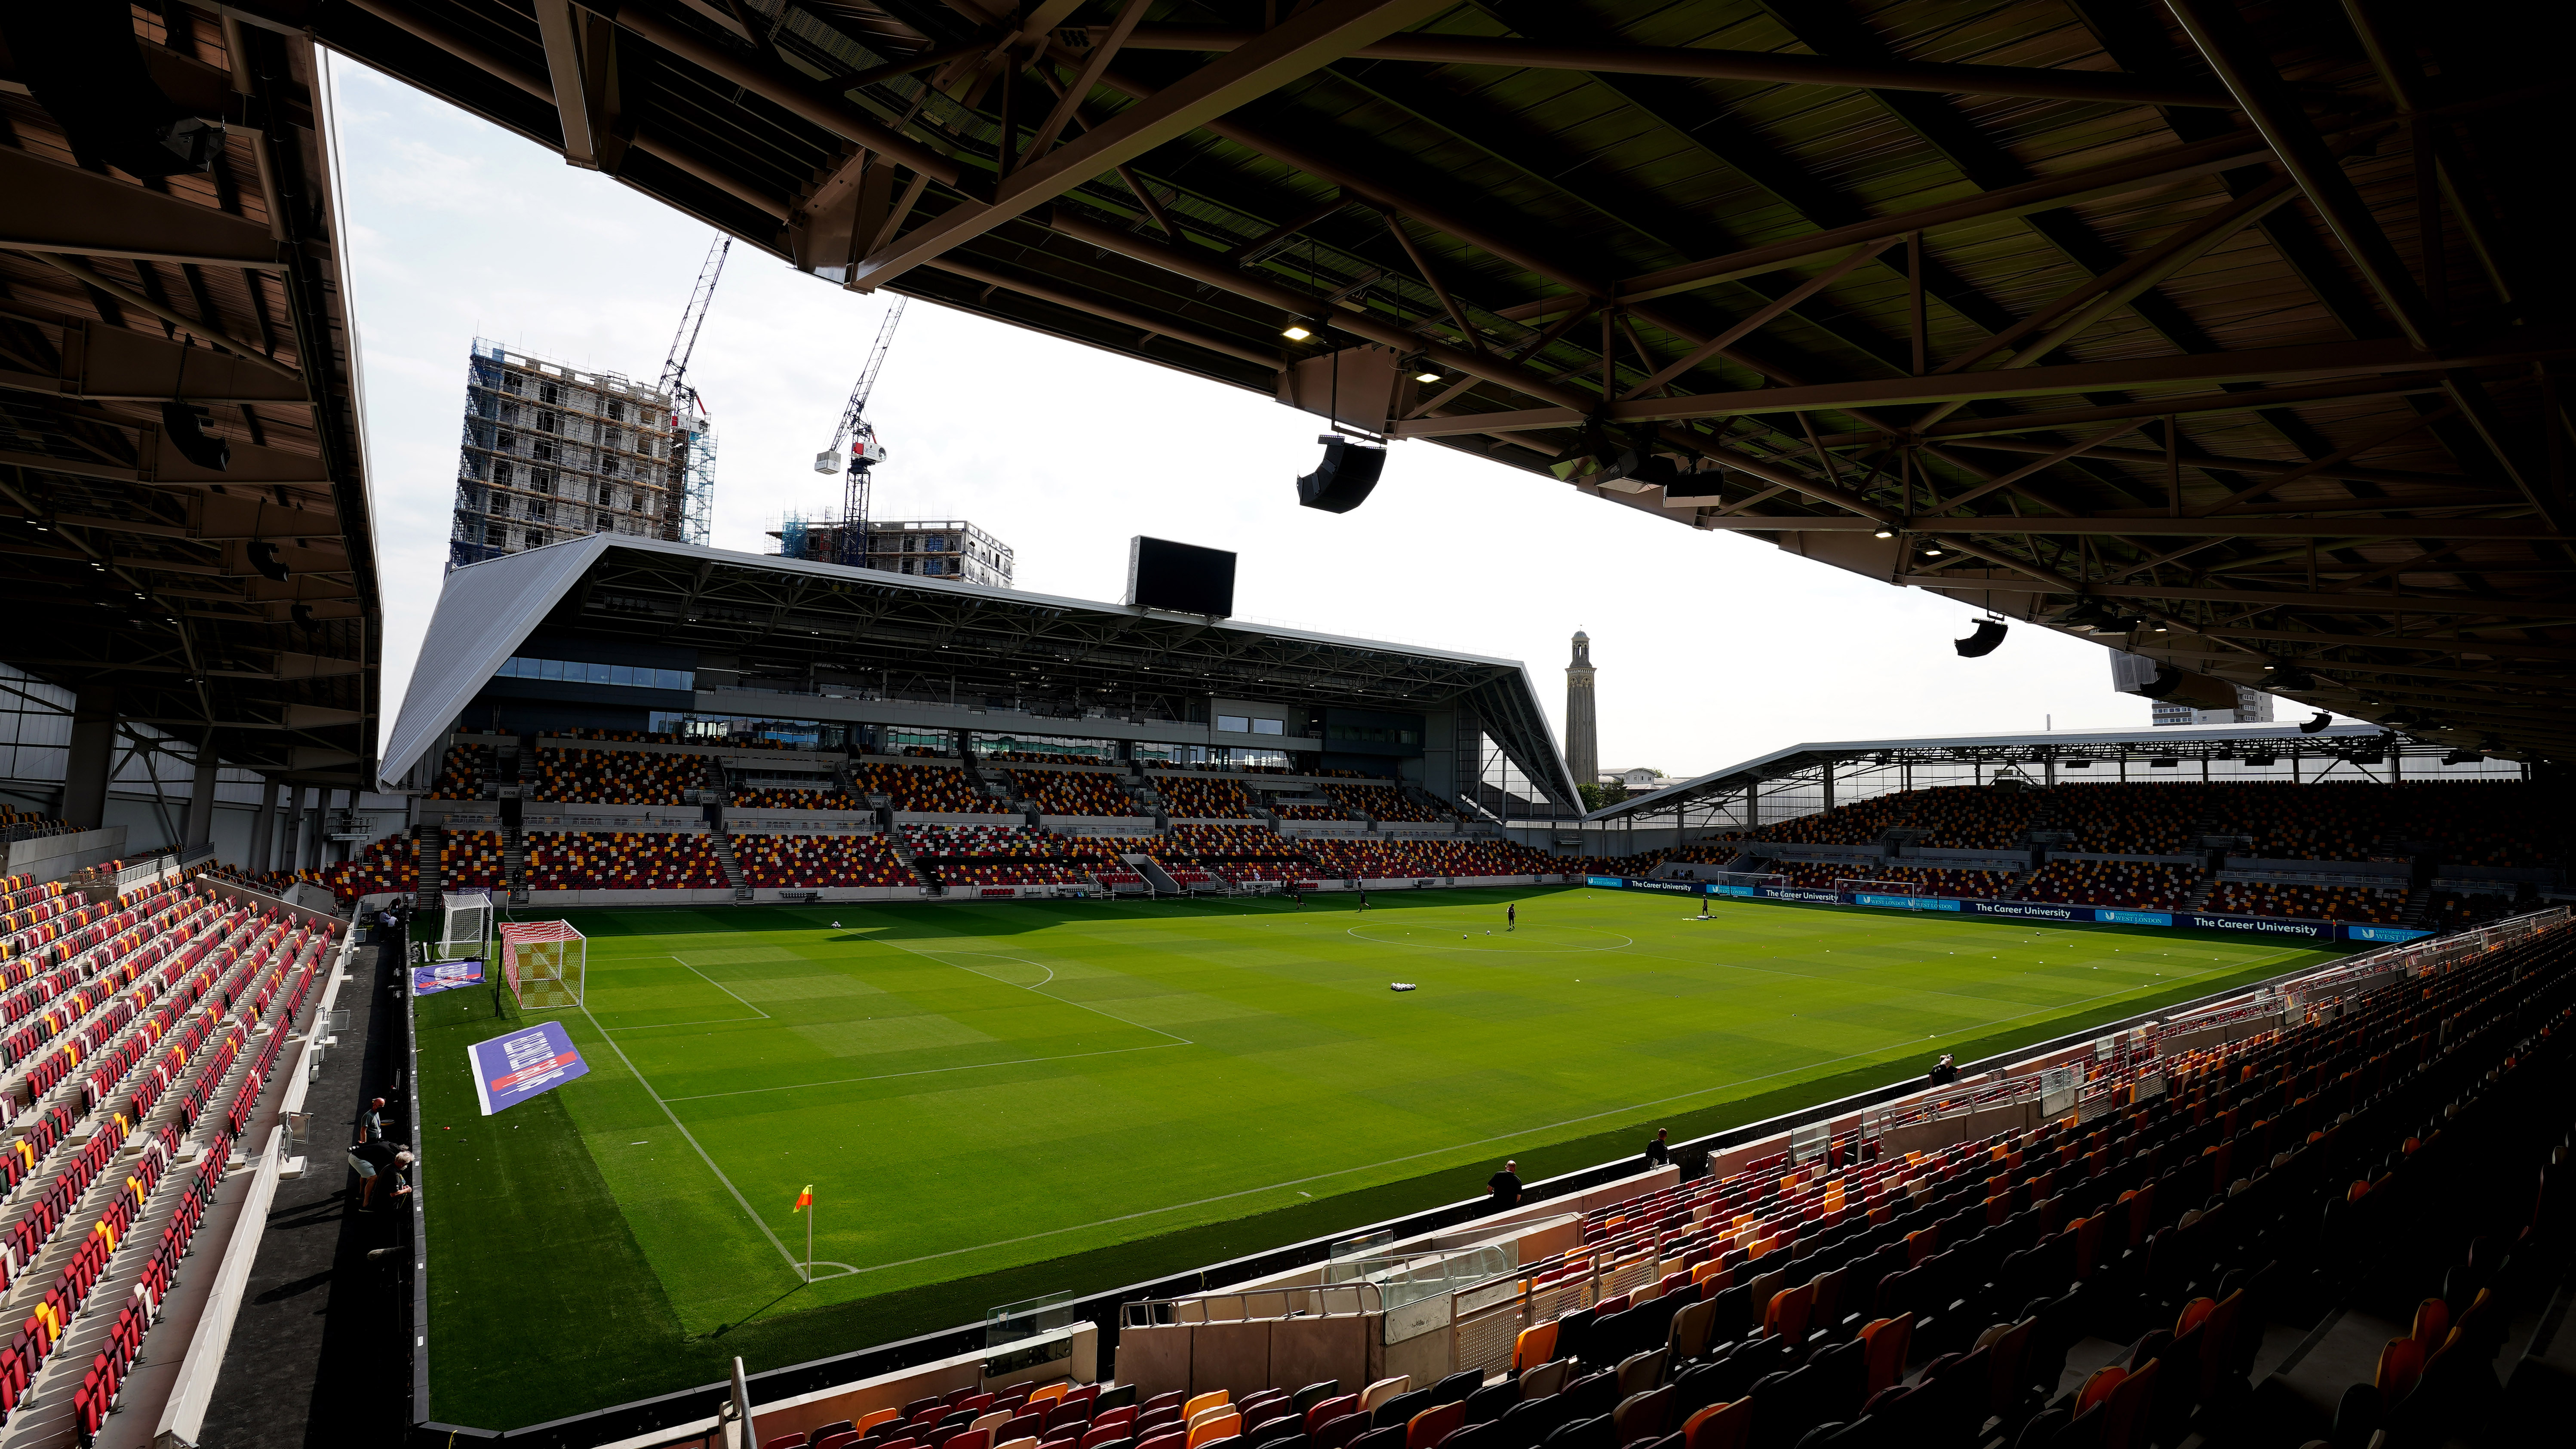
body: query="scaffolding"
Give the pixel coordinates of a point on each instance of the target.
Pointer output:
(551, 453)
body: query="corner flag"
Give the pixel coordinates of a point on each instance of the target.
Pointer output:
(804, 1199)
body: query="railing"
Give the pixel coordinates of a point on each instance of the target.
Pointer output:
(1486, 1317)
(1256, 1305)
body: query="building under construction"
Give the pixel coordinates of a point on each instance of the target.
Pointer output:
(933, 547)
(552, 453)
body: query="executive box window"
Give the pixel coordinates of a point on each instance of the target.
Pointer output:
(1262, 726)
(634, 676)
(1233, 724)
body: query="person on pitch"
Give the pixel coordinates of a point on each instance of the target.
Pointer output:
(1512, 916)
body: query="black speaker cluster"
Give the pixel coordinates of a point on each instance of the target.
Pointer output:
(1345, 478)
(81, 62)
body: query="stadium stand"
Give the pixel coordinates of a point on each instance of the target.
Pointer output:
(1717, 851)
(1382, 802)
(468, 859)
(22, 824)
(2147, 885)
(2309, 902)
(1237, 842)
(821, 860)
(2456, 911)
(1977, 885)
(623, 860)
(2112, 1278)
(786, 797)
(463, 773)
(924, 789)
(1305, 812)
(1372, 859)
(1074, 792)
(1040, 757)
(1205, 799)
(617, 777)
(391, 864)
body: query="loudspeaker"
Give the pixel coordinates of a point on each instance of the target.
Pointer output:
(2167, 680)
(263, 557)
(82, 63)
(2323, 719)
(185, 427)
(1344, 480)
(1981, 642)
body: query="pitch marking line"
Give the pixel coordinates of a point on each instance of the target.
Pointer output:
(1481, 1141)
(793, 1263)
(933, 953)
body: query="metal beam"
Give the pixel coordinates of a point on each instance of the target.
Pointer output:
(103, 363)
(2356, 529)
(54, 208)
(559, 28)
(2152, 171)
(1319, 35)
(1759, 67)
(2332, 603)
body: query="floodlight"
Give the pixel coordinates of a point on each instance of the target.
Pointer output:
(1982, 641)
(1932, 549)
(1426, 376)
(1295, 332)
(1884, 532)
(2312, 726)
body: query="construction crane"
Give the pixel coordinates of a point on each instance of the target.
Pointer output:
(858, 437)
(694, 436)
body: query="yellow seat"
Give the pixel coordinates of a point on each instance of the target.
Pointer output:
(1195, 1405)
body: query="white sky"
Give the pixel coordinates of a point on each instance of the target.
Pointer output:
(1711, 648)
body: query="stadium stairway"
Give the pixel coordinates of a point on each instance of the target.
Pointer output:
(429, 848)
(734, 874)
(1152, 871)
(903, 852)
(514, 860)
(2198, 899)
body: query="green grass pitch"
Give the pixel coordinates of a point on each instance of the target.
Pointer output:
(1002, 1100)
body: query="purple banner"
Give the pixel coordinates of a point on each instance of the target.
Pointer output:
(510, 1069)
(446, 976)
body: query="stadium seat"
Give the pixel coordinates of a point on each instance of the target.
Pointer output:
(1312, 1394)
(1719, 1426)
(1535, 1345)
(1217, 1426)
(1336, 1433)
(1383, 1390)
(1643, 1416)
(1456, 1387)
(1491, 1401)
(1198, 1404)
(1545, 1379)
(1326, 1410)
(1398, 1409)
(1159, 1441)
(1210, 1412)
(1428, 1428)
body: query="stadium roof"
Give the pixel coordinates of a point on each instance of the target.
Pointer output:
(230, 599)
(776, 621)
(2184, 742)
(2239, 321)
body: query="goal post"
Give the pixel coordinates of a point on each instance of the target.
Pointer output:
(1853, 887)
(1746, 880)
(544, 962)
(465, 924)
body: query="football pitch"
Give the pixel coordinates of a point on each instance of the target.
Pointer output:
(1000, 1100)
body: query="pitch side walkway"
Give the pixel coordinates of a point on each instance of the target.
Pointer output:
(317, 1354)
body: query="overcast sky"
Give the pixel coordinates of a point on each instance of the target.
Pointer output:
(1711, 647)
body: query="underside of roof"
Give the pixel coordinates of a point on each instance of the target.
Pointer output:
(183, 495)
(2241, 320)
(792, 626)
(2217, 742)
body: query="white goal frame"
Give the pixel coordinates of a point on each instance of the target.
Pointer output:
(1775, 879)
(1860, 884)
(465, 924)
(545, 962)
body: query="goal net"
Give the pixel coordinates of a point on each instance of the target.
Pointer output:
(543, 961)
(1851, 886)
(465, 925)
(1747, 878)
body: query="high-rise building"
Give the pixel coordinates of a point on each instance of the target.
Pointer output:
(552, 453)
(948, 548)
(2253, 706)
(1582, 725)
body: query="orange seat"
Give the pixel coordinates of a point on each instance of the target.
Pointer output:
(1193, 1406)
(2125, 1407)
(2099, 1386)
(1719, 1426)
(1214, 1427)
(1888, 1340)
(2193, 1314)
(1535, 1346)
(2432, 1323)
(1786, 1317)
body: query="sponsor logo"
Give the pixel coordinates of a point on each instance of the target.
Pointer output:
(2031, 912)
(1736, 890)
(2263, 926)
(2134, 918)
(2383, 933)
(1607, 882)
(1795, 893)
(1676, 887)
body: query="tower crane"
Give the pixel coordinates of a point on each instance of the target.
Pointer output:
(696, 461)
(859, 437)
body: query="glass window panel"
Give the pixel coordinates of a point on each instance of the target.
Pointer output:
(550, 669)
(1232, 723)
(621, 674)
(598, 673)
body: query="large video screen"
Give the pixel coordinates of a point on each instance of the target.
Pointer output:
(1181, 577)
